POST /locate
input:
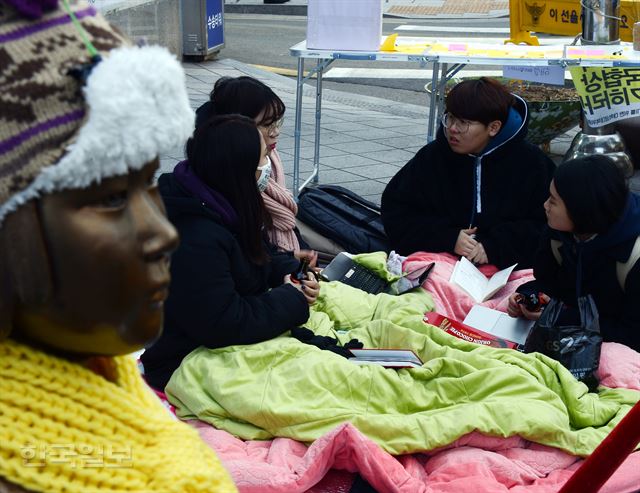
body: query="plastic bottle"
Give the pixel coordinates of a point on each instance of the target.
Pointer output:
(636, 36)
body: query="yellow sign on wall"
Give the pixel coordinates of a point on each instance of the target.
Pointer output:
(560, 17)
(607, 94)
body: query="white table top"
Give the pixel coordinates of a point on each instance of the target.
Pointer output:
(485, 51)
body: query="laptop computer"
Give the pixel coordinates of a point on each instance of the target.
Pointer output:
(344, 269)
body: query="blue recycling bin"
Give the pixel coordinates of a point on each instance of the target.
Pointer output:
(202, 27)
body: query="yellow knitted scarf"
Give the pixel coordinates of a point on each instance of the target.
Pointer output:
(63, 428)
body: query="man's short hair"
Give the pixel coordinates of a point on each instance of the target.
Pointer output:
(482, 100)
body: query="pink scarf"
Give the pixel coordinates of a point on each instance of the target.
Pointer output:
(282, 208)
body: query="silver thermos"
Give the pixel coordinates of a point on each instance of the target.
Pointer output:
(600, 22)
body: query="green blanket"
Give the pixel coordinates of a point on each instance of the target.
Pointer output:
(285, 388)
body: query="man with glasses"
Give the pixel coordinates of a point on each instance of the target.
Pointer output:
(478, 189)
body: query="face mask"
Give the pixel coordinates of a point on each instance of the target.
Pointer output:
(265, 175)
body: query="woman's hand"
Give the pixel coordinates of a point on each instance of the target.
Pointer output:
(310, 287)
(516, 309)
(535, 315)
(465, 242)
(531, 315)
(310, 255)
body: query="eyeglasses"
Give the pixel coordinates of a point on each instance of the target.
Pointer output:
(448, 121)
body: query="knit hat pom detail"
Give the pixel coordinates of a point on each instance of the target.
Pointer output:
(61, 132)
(138, 109)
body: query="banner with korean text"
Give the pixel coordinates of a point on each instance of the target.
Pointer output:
(607, 94)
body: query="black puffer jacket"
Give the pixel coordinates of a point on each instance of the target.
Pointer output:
(591, 267)
(217, 296)
(502, 192)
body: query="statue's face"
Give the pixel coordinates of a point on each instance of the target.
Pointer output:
(109, 249)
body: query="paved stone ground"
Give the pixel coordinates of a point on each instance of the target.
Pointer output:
(447, 8)
(364, 140)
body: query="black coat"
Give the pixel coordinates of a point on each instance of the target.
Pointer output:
(617, 307)
(217, 297)
(433, 197)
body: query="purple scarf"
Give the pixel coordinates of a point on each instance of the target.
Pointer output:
(213, 199)
(33, 9)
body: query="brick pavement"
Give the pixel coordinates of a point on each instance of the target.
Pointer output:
(447, 8)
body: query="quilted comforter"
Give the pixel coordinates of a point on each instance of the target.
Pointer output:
(285, 388)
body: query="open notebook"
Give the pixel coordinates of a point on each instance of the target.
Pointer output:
(475, 283)
(344, 269)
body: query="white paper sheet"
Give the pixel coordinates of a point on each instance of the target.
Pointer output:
(499, 324)
(344, 25)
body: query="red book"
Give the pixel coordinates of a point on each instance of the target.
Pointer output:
(469, 334)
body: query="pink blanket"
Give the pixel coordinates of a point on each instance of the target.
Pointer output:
(450, 300)
(473, 463)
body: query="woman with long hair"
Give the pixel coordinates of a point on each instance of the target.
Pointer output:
(228, 285)
(249, 97)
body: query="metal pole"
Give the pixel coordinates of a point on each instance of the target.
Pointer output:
(297, 128)
(433, 103)
(442, 89)
(316, 150)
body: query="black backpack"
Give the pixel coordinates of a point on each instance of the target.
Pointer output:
(344, 217)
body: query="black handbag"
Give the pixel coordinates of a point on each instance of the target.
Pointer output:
(344, 217)
(570, 335)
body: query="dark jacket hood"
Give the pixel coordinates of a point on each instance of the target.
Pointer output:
(179, 202)
(627, 227)
(616, 243)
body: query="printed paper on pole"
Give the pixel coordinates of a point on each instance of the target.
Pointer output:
(607, 94)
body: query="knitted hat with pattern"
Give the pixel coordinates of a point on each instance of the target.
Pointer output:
(57, 132)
